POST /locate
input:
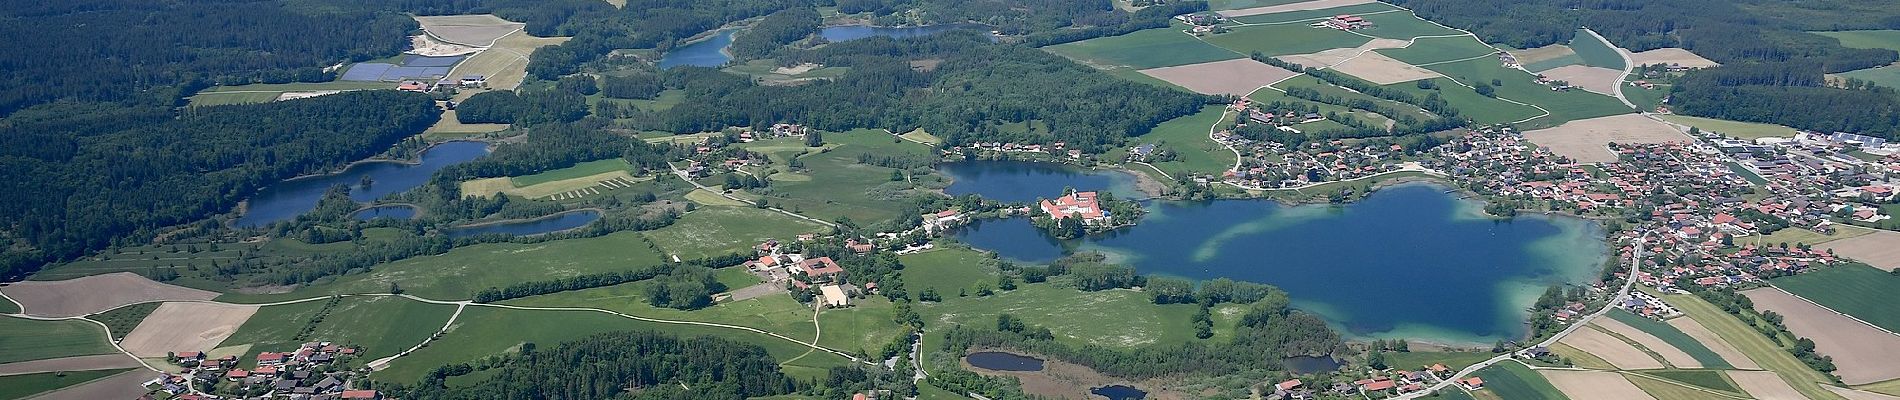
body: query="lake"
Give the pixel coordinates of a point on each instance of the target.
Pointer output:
(553, 223)
(397, 211)
(709, 52)
(288, 199)
(1119, 392)
(1408, 261)
(1003, 361)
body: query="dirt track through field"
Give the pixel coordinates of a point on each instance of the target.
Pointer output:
(1586, 140)
(1593, 385)
(1611, 349)
(1880, 249)
(1671, 354)
(1765, 385)
(1863, 353)
(80, 363)
(1715, 343)
(1301, 6)
(92, 294)
(183, 326)
(1235, 77)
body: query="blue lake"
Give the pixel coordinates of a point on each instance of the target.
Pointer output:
(710, 52)
(397, 211)
(1119, 392)
(288, 199)
(1409, 261)
(552, 223)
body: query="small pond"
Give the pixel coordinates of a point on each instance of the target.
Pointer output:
(1004, 361)
(288, 199)
(525, 227)
(397, 211)
(709, 52)
(1119, 392)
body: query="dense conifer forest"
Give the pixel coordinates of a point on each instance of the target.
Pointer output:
(621, 365)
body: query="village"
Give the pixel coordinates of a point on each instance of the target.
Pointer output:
(315, 371)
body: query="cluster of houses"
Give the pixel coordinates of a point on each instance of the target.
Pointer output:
(1554, 84)
(1403, 381)
(465, 82)
(797, 272)
(1344, 22)
(312, 372)
(1266, 164)
(1082, 205)
(1005, 147)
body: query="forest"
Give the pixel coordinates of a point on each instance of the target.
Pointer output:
(81, 177)
(619, 365)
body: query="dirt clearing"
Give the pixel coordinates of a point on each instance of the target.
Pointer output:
(1615, 351)
(1309, 5)
(1587, 140)
(97, 293)
(1383, 70)
(80, 363)
(1880, 249)
(1590, 385)
(1236, 77)
(1597, 80)
(1671, 354)
(183, 326)
(1715, 343)
(1764, 385)
(468, 30)
(1864, 354)
(1671, 55)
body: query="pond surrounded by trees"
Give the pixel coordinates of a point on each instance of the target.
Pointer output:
(288, 199)
(562, 221)
(1409, 261)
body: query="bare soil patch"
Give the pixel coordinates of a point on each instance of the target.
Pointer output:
(1613, 350)
(1597, 80)
(92, 294)
(426, 46)
(468, 30)
(1671, 55)
(1236, 77)
(185, 326)
(1852, 394)
(121, 386)
(1764, 385)
(1670, 354)
(1864, 354)
(1715, 343)
(80, 363)
(1880, 249)
(1329, 58)
(1309, 5)
(1587, 140)
(1383, 70)
(1588, 385)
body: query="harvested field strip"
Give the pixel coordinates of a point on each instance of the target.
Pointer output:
(1440, 49)
(182, 326)
(1512, 380)
(707, 198)
(1656, 346)
(1863, 353)
(26, 340)
(1619, 353)
(1594, 385)
(1277, 40)
(1663, 389)
(1582, 359)
(1857, 290)
(97, 293)
(1669, 337)
(1587, 140)
(1880, 249)
(1709, 379)
(1765, 385)
(1236, 77)
(1758, 348)
(580, 170)
(1714, 343)
(75, 363)
(1866, 393)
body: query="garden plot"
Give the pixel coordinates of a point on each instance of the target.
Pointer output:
(185, 326)
(1236, 77)
(1589, 385)
(1715, 343)
(468, 30)
(1597, 80)
(1764, 385)
(1880, 249)
(1865, 354)
(1301, 6)
(1587, 140)
(1672, 56)
(92, 294)
(1615, 351)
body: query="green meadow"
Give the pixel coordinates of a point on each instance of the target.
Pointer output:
(1596, 53)
(26, 340)
(840, 187)
(1564, 106)
(776, 313)
(1278, 40)
(180, 257)
(1290, 17)
(1441, 49)
(863, 328)
(717, 231)
(1743, 130)
(1854, 289)
(1470, 104)
(946, 270)
(578, 170)
(1675, 337)
(26, 385)
(1403, 25)
(383, 325)
(1867, 39)
(1195, 152)
(1514, 381)
(463, 271)
(1645, 99)
(1151, 48)
(1888, 76)
(1138, 321)
(7, 306)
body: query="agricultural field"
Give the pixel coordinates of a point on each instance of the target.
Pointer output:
(1436, 50)
(1764, 385)
(1646, 99)
(505, 63)
(1738, 129)
(1708, 339)
(1594, 385)
(1151, 48)
(1278, 40)
(1858, 290)
(1328, 89)
(1294, 6)
(1866, 39)
(1760, 349)
(1310, 15)
(92, 294)
(22, 386)
(460, 273)
(120, 321)
(1239, 4)
(1547, 57)
(840, 187)
(582, 180)
(776, 313)
(946, 270)
(1864, 353)
(863, 328)
(383, 325)
(1676, 347)
(1140, 321)
(1708, 379)
(1888, 76)
(182, 257)
(8, 307)
(1236, 77)
(1187, 136)
(1623, 355)
(1564, 106)
(1404, 26)
(1514, 381)
(1580, 358)
(1597, 80)
(1672, 390)
(185, 326)
(1270, 96)
(1470, 104)
(1587, 140)
(716, 231)
(25, 340)
(1596, 53)
(468, 30)
(1672, 56)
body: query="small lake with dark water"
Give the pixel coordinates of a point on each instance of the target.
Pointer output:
(552, 223)
(1004, 361)
(1119, 392)
(396, 211)
(288, 199)
(1408, 261)
(711, 52)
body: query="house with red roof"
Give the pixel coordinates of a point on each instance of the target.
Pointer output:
(270, 358)
(818, 267)
(1078, 204)
(1473, 383)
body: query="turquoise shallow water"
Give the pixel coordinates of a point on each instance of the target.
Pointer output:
(1409, 261)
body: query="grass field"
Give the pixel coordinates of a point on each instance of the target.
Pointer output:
(1595, 52)
(1441, 49)
(1269, 96)
(7, 306)
(460, 273)
(1794, 236)
(1277, 40)
(450, 126)
(1711, 379)
(776, 313)
(946, 270)
(121, 320)
(1239, 4)
(1455, 360)
(1889, 387)
(715, 231)
(1662, 389)
(841, 187)
(1759, 348)
(1867, 39)
(708, 198)
(1855, 289)
(1151, 48)
(1305, 15)
(1673, 336)
(585, 169)
(1324, 88)
(21, 386)
(485, 331)
(1514, 381)
(505, 64)
(1139, 322)
(1402, 26)
(26, 340)
(864, 327)
(1470, 104)
(1564, 106)
(1646, 99)
(1888, 76)
(383, 326)
(1743, 130)
(1580, 358)
(142, 259)
(267, 92)
(1195, 152)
